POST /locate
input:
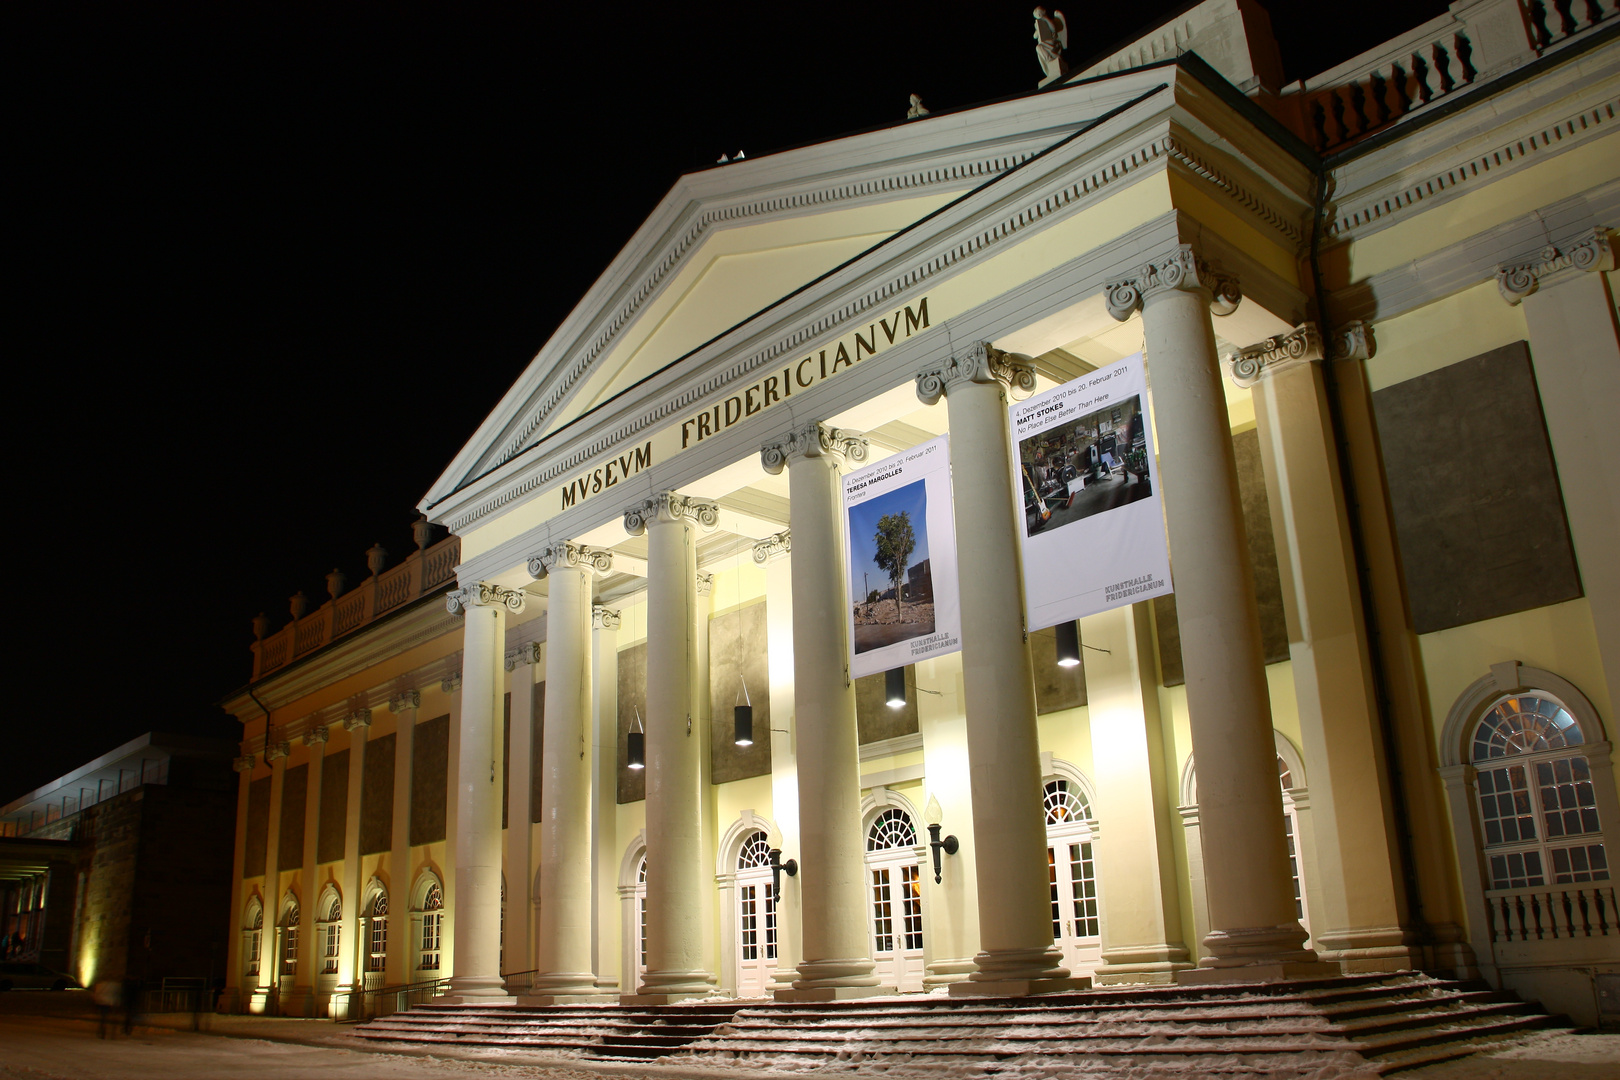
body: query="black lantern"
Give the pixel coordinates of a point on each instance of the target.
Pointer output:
(1068, 644)
(636, 746)
(743, 718)
(894, 687)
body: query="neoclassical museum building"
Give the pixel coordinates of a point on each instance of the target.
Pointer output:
(598, 737)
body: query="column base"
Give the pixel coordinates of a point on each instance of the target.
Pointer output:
(946, 972)
(637, 1000)
(1258, 973)
(831, 993)
(1363, 949)
(970, 988)
(1139, 974)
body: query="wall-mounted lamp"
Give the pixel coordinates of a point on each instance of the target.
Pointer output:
(894, 688)
(636, 746)
(1068, 644)
(743, 718)
(951, 845)
(778, 867)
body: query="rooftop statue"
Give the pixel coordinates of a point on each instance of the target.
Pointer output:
(1051, 38)
(917, 108)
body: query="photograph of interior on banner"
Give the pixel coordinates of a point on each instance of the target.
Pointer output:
(900, 543)
(1093, 527)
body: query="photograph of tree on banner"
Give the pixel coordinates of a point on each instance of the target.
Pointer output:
(890, 576)
(1084, 466)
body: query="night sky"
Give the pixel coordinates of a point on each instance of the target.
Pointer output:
(272, 264)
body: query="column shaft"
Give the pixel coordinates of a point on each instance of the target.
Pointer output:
(519, 953)
(351, 976)
(605, 935)
(784, 756)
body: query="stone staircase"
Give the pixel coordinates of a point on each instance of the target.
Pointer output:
(1309, 1028)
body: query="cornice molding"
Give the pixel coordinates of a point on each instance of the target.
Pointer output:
(812, 439)
(604, 618)
(565, 554)
(773, 547)
(484, 594)
(523, 655)
(405, 700)
(1593, 252)
(1179, 150)
(1183, 270)
(981, 363)
(668, 507)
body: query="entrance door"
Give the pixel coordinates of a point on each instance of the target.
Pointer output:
(640, 943)
(756, 917)
(895, 900)
(1072, 877)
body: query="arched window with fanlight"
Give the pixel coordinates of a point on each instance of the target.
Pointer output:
(329, 917)
(756, 916)
(252, 938)
(290, 917)
(430, 941)
(1071, 874)
(894, 883)
(1537, 806)
(377, 931)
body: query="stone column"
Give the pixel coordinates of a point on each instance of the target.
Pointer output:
(564, 971)
(476, 977)
(312, 961)
(676, 874)
(1016, 951)
(404, 706)
(604, 763)
(351, 958)
(518, 955)
(1141, 903)
(1253, 933)
(774, 554)
(266, 998)
(1358, 901)
(234, 960)
(1575, 349)
(832, 876)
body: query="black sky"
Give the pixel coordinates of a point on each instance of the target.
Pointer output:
(272, 264)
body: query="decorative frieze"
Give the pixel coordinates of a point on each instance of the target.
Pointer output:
(604, 618)
(670, 506)
(1592, 252)
(773, 547)
(528, 654)
(982, 363)
(1183, 269)
(566, 553)
(812, 439)
(317, 735)
(404, 700)
(483, 594)
(360, 718)
(243, 763)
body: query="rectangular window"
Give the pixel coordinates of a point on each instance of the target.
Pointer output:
(431, 922)
(770, 925)
(1293, 866)
(1083, 879)
(1568, 804)
(1585, 862)
(378, 952)
(255, 946)
(882, 912)
(911, 907)
(641, 918)
(750, 922)
(289, 951)
(1516, 870)
(1504, 805)
(1052, 883)
(334, 933)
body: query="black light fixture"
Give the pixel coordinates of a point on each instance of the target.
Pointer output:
(950, 844)
(1068, 644)
(636, 746)
(778, 867)
(743, 719)
(894, 687)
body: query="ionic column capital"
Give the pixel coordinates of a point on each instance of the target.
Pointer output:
(1183, 269)
(451, 682)
(523, 655)
(670, 506)
(1301, 345)
(565, 554)
(317, 735)
(360, 718)
(705, 583)
(276, 751)
(982, 363)
(483, 594)
(243, 763)
(405, 699)
(1593, 251)
(604, 618)
(809, 440)
(773, 547)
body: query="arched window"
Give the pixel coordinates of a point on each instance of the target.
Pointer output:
(289, 936)
(896, 899)
(331, 931)
(756, 913)
(377, 931)
(891, 829)
(1536, 802)
(252, 937)
(432, 927)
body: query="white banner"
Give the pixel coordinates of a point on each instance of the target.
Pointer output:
(900, 548)
(1093, 526)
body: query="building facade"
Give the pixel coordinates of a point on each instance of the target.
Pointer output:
(1369, 731)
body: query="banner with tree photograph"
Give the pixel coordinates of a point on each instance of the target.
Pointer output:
(900, 548)
(1093, 525)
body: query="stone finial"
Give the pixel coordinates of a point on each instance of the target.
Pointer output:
(982, 363)
(1183, 269)
(298, 604)
(483, 594)
(1592, 252)
(670, 506)
(261, 626)
(773, 546)
(422, 531)
(376, 559)
(336, 582)
(604, 618)
(812, 439)
(916, 109)
(566, 554)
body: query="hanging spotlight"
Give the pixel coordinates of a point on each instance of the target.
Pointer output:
(743, 719)
(636, 746)
(894, 687)
(1068, 644)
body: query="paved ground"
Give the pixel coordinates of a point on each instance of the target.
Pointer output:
(47, 1036)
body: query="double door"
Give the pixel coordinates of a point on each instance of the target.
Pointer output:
(895, 892)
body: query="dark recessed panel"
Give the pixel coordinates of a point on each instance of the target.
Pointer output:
(738, 658)
(290, 845)
(430, 771)
(632, 699)
(377, 796)
(334, 807)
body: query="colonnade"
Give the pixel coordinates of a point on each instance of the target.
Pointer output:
(1254, 934)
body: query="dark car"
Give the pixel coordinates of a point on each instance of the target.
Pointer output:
(24, 976)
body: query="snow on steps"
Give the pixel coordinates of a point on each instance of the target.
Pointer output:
(1310, 1028)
